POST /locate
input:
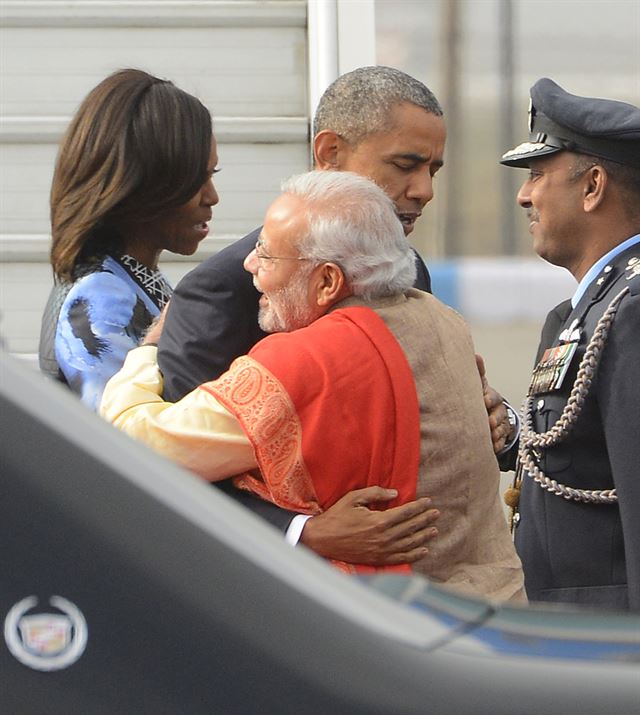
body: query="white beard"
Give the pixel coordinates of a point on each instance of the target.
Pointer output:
(287, 309)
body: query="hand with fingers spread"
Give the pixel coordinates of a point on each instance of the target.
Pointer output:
(351, 531)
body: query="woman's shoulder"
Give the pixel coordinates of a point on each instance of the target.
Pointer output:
(101, 294)
(98, 277)
(102, 267)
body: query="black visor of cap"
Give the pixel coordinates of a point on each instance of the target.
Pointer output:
(606, 129)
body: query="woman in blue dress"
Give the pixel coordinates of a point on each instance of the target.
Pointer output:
(133, 177)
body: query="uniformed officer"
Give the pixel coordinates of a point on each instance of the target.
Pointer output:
(578, 519)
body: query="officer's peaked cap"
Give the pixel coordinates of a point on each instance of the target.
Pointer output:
(559, 121)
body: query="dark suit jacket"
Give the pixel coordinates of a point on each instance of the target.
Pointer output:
(213, 319)
(590, 553)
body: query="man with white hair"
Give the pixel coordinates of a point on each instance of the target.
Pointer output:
(369, 382)
(383, 124)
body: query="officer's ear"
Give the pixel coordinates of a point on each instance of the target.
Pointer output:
(595, 186)
(328, 150)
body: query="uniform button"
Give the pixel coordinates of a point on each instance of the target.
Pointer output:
(540, 404)
(516, 519)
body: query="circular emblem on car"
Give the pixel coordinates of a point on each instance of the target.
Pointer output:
(45, 641)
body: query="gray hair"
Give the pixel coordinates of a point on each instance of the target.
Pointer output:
(360, 103)
(353, 223)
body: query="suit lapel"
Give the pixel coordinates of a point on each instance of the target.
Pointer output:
(552, 327)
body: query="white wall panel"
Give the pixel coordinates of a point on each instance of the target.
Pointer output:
(235, 71)
(24, 288)
(154, 13)
(25, 182)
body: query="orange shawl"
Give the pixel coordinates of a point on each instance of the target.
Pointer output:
(328, 409)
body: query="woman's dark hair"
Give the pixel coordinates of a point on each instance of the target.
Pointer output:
(137, 147)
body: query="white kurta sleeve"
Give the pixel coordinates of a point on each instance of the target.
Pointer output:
(197, 432)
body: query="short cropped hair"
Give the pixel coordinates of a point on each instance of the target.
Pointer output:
(353, 223)
(360, 103)
(137, 147)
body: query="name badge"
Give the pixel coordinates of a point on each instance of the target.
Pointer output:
(550, 372)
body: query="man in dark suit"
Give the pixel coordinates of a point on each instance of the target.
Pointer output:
(577, 529)
(383, 124)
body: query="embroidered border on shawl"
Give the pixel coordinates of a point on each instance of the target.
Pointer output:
(269, 419)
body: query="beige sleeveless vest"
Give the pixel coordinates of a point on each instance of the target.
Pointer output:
(473, 551)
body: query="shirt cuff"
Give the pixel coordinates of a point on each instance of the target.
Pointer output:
(514, 421)
(294, 531)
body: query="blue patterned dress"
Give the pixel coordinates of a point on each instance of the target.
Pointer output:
(89, 325)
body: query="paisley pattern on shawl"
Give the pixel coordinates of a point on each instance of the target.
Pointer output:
(328, 409)
(268, 417)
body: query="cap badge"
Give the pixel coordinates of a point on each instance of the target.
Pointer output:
(633, 268)
(526, 148)
(46, 641)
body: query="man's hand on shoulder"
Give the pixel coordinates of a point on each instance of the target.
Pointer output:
(350, 531)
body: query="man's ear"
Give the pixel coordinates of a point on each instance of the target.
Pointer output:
(595, 185)
(331, 285)
(327, 149)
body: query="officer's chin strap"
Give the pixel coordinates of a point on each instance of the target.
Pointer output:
(531, 442)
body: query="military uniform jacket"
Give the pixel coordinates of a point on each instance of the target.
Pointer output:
(583, 552)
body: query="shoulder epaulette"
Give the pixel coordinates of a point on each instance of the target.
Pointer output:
(632, 275)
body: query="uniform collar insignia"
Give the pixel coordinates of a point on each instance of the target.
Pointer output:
(633, 267)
